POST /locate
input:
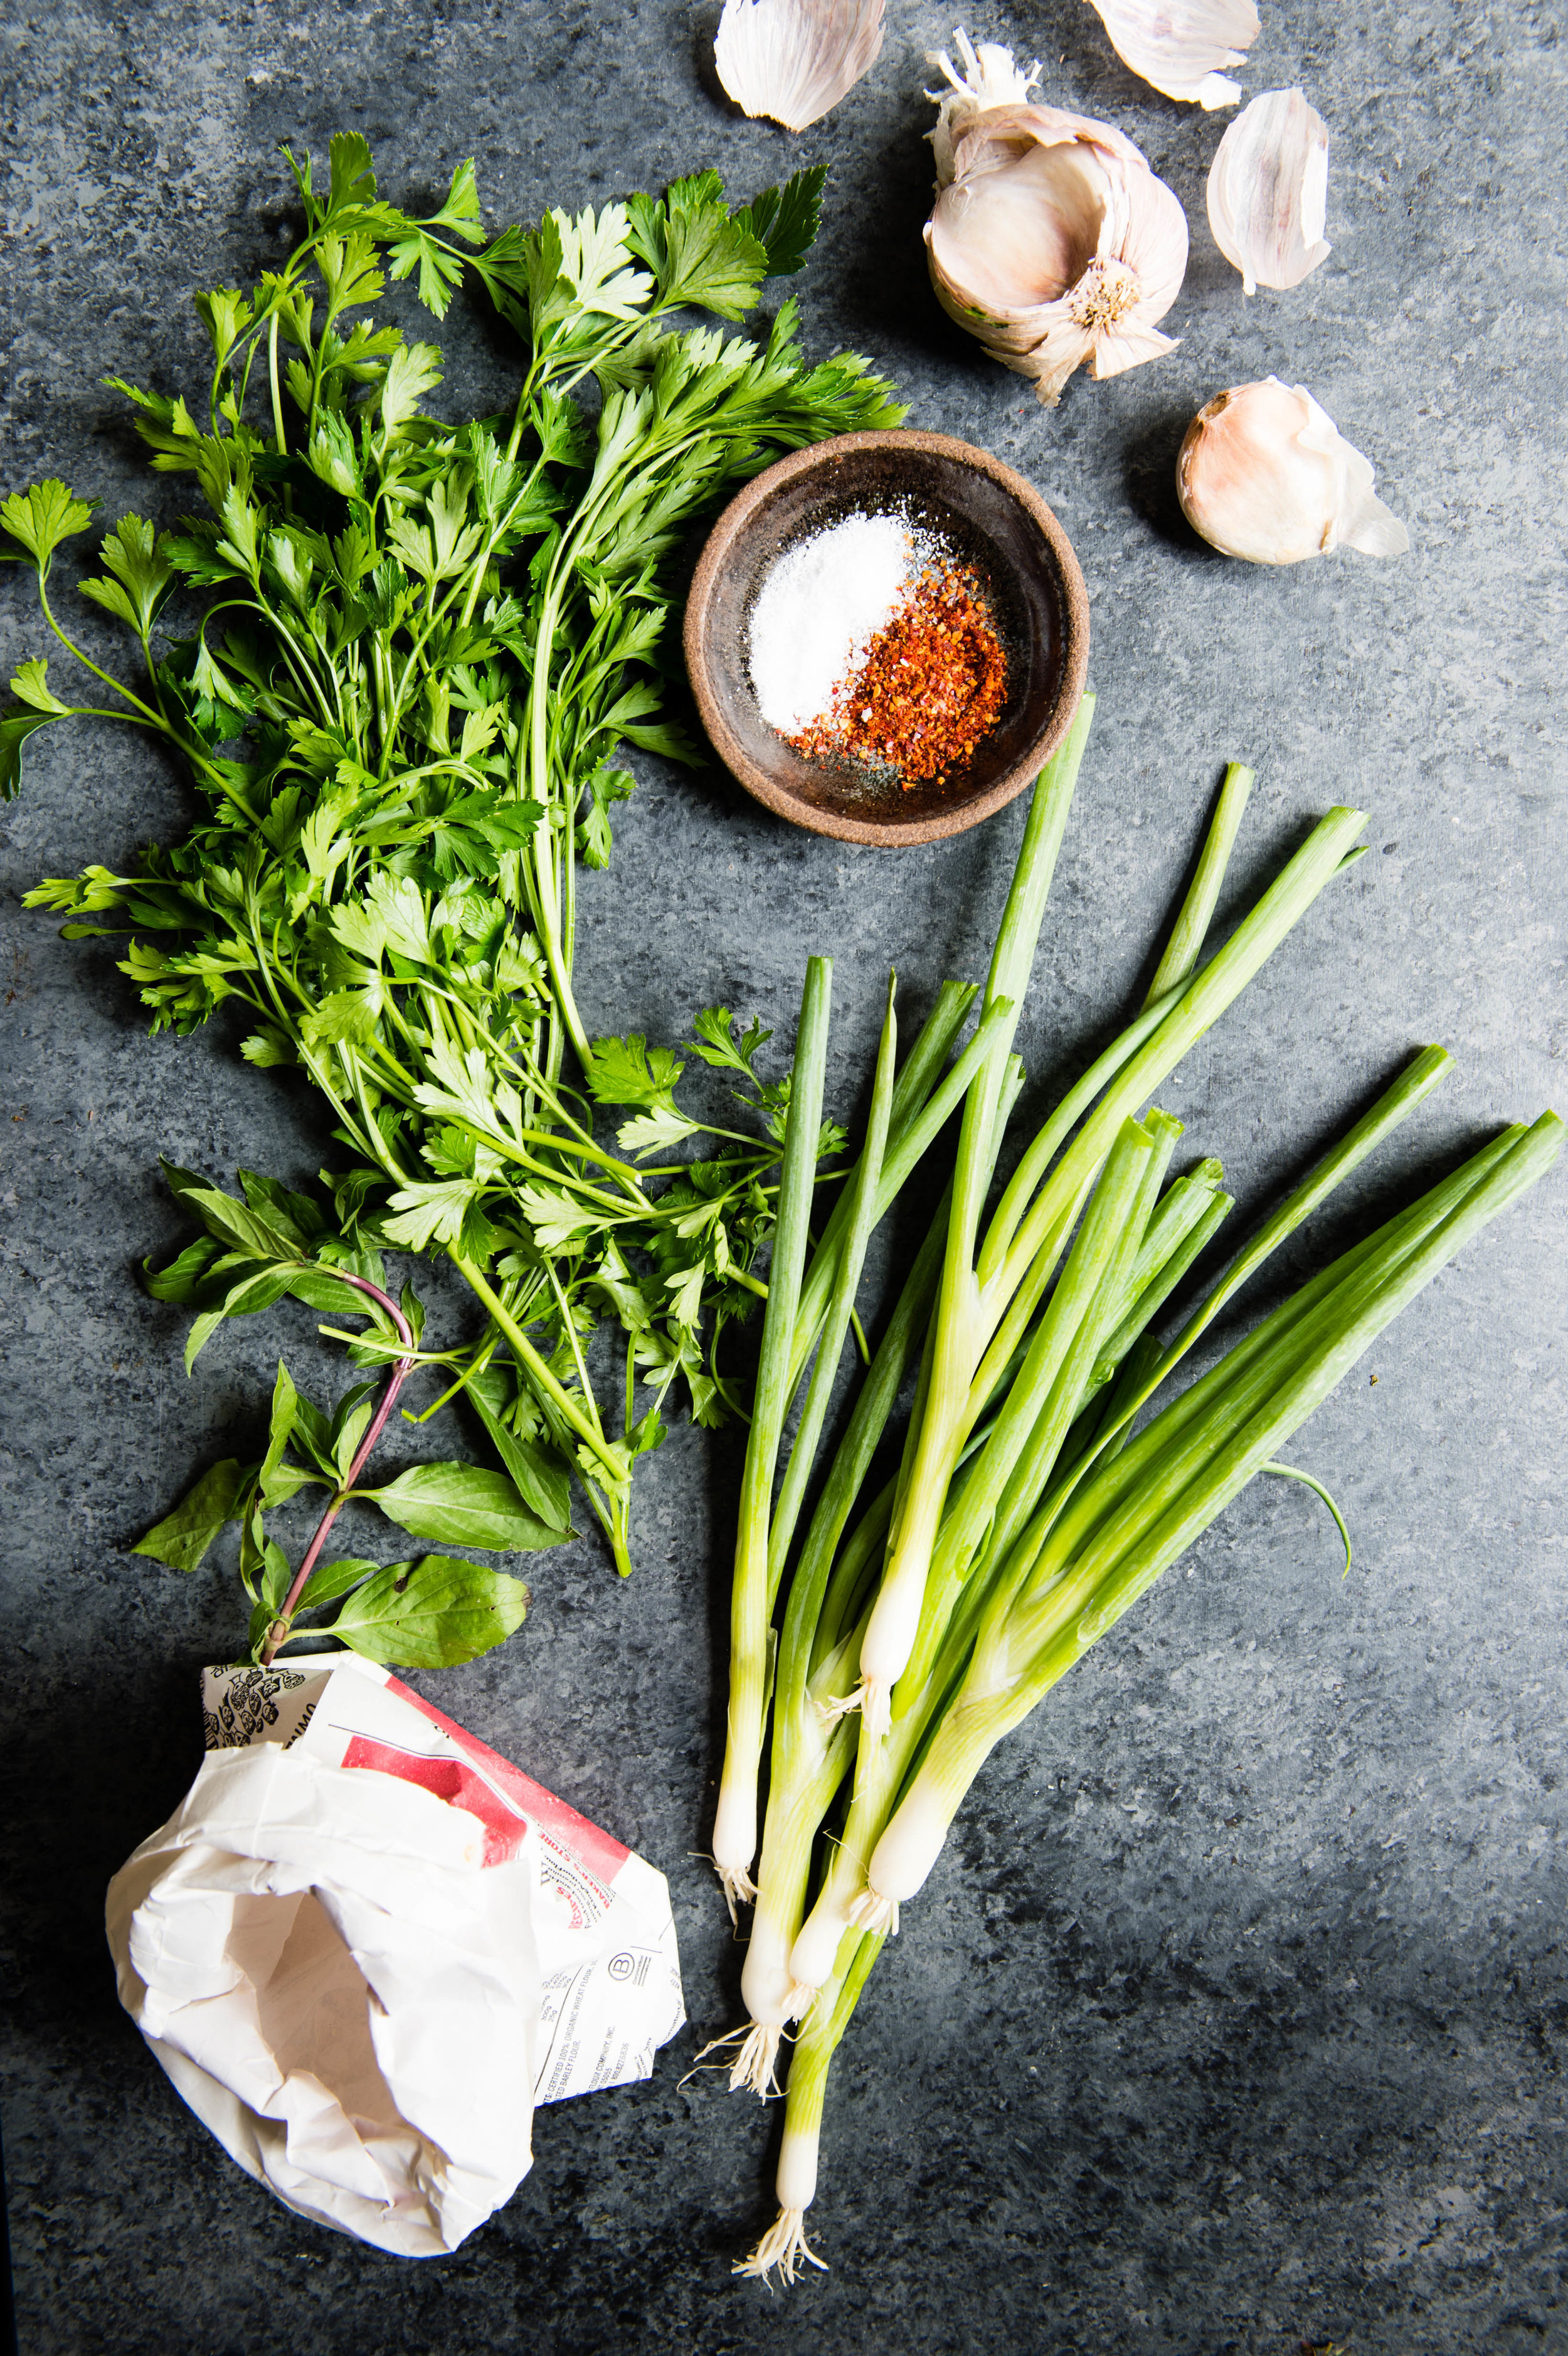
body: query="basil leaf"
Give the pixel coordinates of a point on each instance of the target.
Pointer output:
(431, 1615)
(285, 1481)
(259, 1290)
(462, 1505)
(235, 1223)
(274, 1586)
(349, 1430)
(277, 1578)
(328, 1580)
(313, 1431)
(543, 1479)
(182, 1539)
(350, 1421)
(252, 1543)
(182, 1278)
(290, 1213)
(319, 1288)
(285, 1404)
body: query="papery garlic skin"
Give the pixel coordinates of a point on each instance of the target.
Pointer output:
(1264, 474)
(1050, 239)
(792, 60)
(989, 81)
(1177, 46)
(1268, 191)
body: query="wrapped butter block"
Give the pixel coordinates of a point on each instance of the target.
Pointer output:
(365, 1945)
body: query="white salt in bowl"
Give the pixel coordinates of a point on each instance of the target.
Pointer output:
(990, 520)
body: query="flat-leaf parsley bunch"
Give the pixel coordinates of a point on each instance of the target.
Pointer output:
(406, 656)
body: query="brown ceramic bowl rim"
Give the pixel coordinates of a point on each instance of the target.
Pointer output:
(970, 812)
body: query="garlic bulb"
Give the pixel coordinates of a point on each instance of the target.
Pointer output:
(1263, 473)
(1177, 44)
(1268, 191)
(1050, 239)
(794, 59)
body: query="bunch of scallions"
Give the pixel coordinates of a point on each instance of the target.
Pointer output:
(402, 655)
(924, 1618)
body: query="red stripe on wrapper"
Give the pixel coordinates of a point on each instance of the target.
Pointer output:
(489, 1787)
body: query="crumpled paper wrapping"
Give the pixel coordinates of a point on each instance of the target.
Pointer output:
(365, 1945)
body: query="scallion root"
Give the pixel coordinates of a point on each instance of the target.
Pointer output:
(784, 2246)
(871, 1911)
(876, 1699)
(739, 1889)
(754, 2070)
(830, 1712)
(715, 2045)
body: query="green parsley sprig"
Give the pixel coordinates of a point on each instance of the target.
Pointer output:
(416, 647)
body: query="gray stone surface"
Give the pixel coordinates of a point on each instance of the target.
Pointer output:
(1233, 2017)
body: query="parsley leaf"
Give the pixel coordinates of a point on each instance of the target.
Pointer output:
(785, 220)
(628, 1071)
(715, 1043)
(39, 518)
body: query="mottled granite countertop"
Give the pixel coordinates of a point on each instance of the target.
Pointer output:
(1233, 2016)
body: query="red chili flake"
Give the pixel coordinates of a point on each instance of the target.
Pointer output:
(933, 681)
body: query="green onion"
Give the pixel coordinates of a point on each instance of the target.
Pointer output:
(1040, 1624)
(1071, 1601)
(1185, 945)
(809, 1762)
(987, 1303)
(1032, 1510)
(1090, 1288)
(735, 1830)
(859, 1201)
(896, 1613)
(785, 2245)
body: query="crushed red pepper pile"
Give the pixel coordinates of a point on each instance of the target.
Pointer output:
(933, 681)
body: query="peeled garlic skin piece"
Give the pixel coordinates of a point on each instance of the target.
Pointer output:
(1268, 190)
(1054, 243)
(792, 60)
(1264, 474)
(1176, 44)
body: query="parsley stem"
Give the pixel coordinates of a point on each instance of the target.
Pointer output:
(277, 394)
(540, 1374)
(478, 1360)
(150, 718)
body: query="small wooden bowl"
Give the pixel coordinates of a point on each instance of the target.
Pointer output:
(990, 517)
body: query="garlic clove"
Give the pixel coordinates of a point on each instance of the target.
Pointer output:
(1154, 245)
(1268, 190)
(1023, 226)
(1050, 240)
(792, 60)
(1177, 44)
(1264, 474)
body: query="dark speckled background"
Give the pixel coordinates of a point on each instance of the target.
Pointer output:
(1233, 2017)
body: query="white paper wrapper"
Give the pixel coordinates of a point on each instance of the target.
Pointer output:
(365, 1945)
